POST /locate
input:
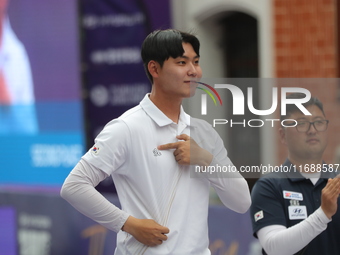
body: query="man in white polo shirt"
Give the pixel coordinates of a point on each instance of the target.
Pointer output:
(149, 151)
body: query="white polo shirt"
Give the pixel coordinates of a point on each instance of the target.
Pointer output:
(151, 184)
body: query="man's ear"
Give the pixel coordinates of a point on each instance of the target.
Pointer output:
(282, 132)
(153, 68)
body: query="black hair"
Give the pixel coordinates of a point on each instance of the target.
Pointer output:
(160, 45)
(291, 108)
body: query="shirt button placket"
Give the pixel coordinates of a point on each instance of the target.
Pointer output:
(316, 198)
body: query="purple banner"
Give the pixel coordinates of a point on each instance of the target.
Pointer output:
(112, 34)
(8, 242)
(41, 115)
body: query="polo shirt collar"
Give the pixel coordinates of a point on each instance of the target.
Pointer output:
(184, 117)
(158, 116)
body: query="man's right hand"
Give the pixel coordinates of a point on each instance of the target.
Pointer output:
(329, 197)
(146, 231)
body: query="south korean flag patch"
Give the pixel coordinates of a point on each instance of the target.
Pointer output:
(258, 215)
(95, 149)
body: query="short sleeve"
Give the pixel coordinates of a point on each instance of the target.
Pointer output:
(267, 206)
(111, 147)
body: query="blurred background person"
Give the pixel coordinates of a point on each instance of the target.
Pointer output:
(17, 109)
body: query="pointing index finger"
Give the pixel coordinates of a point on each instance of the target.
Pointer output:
(168, 146)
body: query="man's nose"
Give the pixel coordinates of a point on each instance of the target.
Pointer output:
(192, 70)
(311, 129)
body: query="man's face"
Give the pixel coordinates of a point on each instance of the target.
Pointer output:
(177, 76)
(308, 145)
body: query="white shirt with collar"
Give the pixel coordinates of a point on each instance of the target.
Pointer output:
(152, 185)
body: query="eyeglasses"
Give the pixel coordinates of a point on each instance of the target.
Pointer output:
(304, 126)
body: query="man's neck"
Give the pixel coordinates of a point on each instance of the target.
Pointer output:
(169, 106)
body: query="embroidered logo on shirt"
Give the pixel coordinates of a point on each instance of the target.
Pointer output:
(297, 212)
(156, 152)
(292, 195)
(258, 215)
(95, 150)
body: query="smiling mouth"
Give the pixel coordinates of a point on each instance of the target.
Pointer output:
(192, 84)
